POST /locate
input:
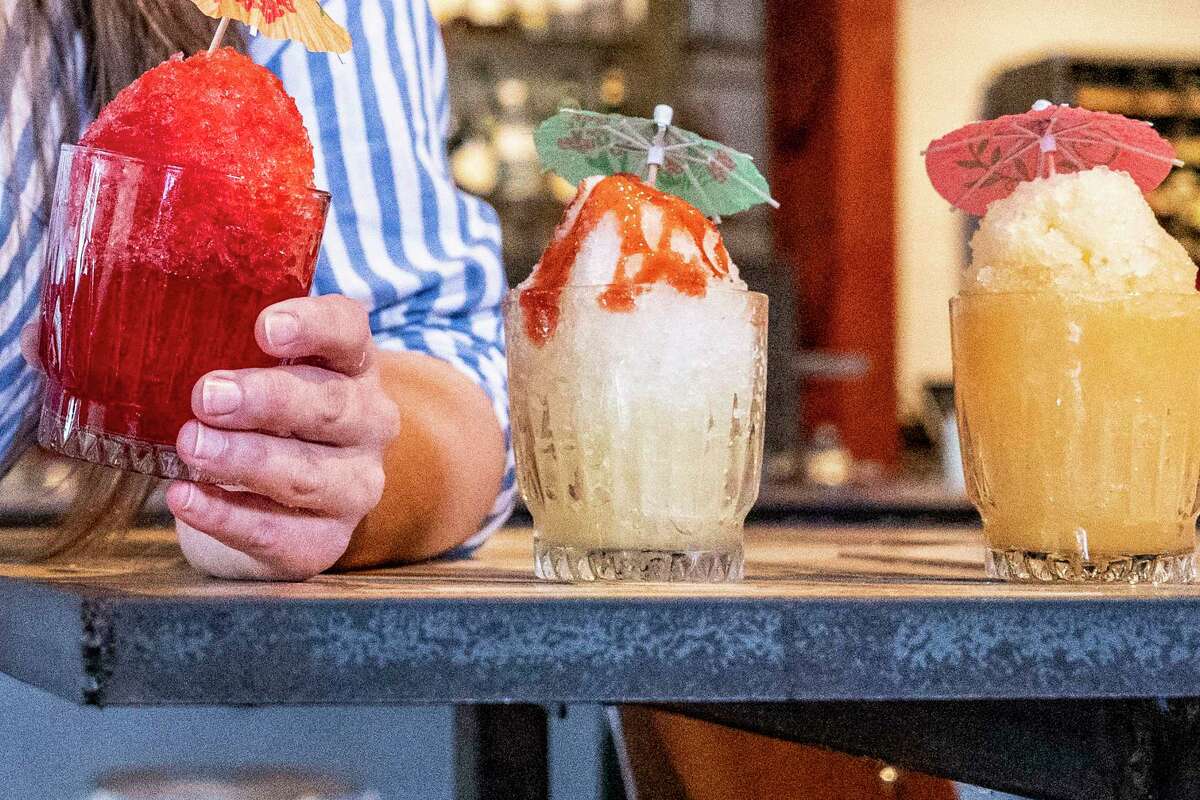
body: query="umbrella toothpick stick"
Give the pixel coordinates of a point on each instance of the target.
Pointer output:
(219, 35)
(654, 159)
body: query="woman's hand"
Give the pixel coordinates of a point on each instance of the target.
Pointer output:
(303, 443)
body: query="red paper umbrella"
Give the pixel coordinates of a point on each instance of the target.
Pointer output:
(985, 161)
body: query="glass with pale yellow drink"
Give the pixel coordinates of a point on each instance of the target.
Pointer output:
(637, 369)
(1077, 377)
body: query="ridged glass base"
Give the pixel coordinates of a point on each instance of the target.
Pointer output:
(148, 458)
(575, 565)
(1031, 567)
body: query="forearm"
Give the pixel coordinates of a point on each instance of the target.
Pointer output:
(443, 470)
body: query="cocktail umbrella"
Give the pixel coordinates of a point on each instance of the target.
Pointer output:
(712, 177)
(302, 20)
(985, 161)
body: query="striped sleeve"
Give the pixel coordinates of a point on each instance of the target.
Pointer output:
(23, 64)
(422, 256)
(22, 244)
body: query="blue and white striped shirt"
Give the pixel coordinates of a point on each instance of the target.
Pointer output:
(422, 256)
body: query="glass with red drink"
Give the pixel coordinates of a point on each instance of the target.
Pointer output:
(155, 275)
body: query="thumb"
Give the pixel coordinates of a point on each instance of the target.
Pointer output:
(29, 346)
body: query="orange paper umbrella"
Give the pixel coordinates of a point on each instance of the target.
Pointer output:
(302, 20)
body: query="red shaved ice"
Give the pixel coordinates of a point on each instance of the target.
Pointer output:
(241, 169)
(222, 112)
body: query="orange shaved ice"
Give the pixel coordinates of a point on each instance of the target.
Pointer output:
(222, 112)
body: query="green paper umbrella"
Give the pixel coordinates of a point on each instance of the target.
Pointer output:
(714, 178)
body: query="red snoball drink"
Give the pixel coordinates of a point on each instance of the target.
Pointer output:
(186, 210)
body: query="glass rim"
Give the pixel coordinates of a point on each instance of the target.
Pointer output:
(1098, 297)
(579, 288)
(66, 148)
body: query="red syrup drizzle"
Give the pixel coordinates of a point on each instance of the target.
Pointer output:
(624, 196)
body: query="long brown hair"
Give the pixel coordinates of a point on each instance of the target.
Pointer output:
(96, 48)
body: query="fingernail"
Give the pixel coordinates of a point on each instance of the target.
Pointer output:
(186, 495)
(205, 443)
(282, 328)
(221, 396)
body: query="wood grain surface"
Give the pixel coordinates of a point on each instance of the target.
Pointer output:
(781, 562)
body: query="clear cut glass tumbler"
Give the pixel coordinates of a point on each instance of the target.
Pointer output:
(1079, 421)
(638, 433)
(155, 275)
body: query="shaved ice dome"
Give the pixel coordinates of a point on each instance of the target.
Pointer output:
(616, 228)
(1089, 232)
(623, 237)
(222, 112)
(228, 150)
(610, 211)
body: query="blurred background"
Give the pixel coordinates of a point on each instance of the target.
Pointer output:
(836, 99)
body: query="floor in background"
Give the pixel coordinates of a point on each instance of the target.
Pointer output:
(52, 750)
(975, 793)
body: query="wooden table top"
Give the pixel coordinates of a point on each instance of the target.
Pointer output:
(825, 614)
